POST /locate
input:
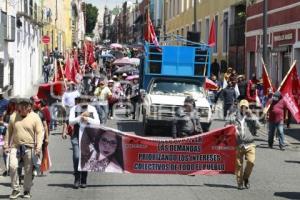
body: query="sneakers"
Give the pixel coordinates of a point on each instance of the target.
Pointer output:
(83, 185)
(246, 184)
(15, 194)
(282, 148)
(76, 184)
(27, 195)
(240, 187)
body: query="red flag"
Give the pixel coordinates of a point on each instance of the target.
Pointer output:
(290, 92)
(212, 34)
(266, 81)
(68, 69)
(210, 85)
(46, 161)
(150, 35)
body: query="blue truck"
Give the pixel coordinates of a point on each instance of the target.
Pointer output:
(168, 74)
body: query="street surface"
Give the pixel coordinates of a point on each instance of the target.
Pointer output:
(275, 176)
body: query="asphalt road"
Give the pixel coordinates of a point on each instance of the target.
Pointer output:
(275, 176)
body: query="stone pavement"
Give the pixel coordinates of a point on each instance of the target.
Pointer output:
(275, 176)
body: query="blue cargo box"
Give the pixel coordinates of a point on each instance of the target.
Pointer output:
(191, 62)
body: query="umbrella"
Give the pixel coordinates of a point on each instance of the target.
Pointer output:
(117, 54)
(125, 69)
(210, 85)
(135, 61)
(107, 56)
(129, 78)
(116, 46)
(123, 61)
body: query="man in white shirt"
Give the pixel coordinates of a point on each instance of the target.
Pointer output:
(81, 116)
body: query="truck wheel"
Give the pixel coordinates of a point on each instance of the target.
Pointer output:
(205, 126)
(146, 127)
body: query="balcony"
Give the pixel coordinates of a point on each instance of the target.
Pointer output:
(237, 35)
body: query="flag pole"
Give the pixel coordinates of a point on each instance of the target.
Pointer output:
(286, 76)
(264, 66)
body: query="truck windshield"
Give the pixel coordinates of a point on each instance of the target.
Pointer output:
(171, 87)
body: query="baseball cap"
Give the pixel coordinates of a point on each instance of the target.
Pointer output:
(245, 103)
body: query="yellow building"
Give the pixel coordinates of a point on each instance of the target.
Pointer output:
(229, 17)
(57, 24)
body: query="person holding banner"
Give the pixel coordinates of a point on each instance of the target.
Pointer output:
(81, 116)
(186, 121)
(246, 122)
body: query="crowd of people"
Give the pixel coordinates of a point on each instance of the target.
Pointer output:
(99, 87)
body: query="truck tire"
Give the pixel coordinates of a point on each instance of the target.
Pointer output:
(205, 126)
(146, 127)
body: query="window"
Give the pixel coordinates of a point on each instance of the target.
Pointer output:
(25, 7)
(199, 29)
(225, 32)
(31, 7)
(182, 32)
(187, 29)
(178, 6)
(206, 29)
(216, 33)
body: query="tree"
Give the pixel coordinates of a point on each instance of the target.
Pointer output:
(91, 18)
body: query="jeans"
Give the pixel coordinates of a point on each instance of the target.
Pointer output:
(79, 175)
(272, 128)
(103, 113)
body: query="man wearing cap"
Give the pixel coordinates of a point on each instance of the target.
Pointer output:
(276, 119)
(81, 115)
(23, 139)
(103, 93)
(245, 122)
(186, 122)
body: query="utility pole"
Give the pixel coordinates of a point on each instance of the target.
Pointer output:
(195, 16)
(265, 32)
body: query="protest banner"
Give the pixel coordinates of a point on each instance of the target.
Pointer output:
(108, 150)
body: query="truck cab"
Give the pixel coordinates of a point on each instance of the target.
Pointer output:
(170, 73)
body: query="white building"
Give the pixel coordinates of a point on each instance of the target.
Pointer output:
(20, 50)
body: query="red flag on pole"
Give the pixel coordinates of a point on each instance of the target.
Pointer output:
(68, 68)
(150, 35)
(267, 85)
(46, 161)
(290, 92)
(212, 34)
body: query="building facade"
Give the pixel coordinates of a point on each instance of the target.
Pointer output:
(20, 51)
(283, 37)
(229, 17)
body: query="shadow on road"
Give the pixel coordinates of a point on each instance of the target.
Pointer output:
(61, 172)
(4, 196)
(5, 184)
(294, 133)
(288, 195)
(292, 161)
(127, 185)
(131, 126)
(220, 186)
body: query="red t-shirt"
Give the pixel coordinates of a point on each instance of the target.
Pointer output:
(47, 115)
(276, 113)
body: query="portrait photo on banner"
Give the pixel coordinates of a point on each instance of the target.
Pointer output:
(101, 151)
